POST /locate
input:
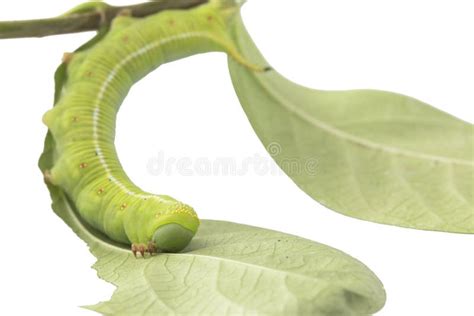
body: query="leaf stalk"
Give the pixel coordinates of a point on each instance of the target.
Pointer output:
(87, 21)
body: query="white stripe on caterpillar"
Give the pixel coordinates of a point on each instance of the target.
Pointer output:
(103, 89)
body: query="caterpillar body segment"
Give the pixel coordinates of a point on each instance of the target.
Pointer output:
(82, 123)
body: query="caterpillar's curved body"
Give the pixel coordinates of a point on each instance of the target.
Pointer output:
(82, 123)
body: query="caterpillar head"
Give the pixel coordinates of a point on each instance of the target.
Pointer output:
(172, 237)
(176, 228)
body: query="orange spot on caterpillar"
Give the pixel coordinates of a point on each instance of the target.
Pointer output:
(171, 22)
(83, 165)
(100, 191)
(125, 38)
(124, 206)
(210, 18)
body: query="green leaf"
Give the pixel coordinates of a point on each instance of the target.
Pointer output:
(227, 269)
(231, 269)
(373, 155)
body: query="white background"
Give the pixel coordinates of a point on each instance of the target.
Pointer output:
(422, 48)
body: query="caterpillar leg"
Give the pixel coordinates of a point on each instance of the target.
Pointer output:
(67, 57)
(167, 238)
(142, 249)
(48, 177)
(152, 248)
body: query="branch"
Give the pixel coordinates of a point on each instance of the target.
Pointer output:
(88, 21)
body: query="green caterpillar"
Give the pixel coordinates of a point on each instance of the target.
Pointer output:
(82, 123)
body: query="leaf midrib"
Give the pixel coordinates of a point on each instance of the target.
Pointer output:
(253, 266)
(330, 129)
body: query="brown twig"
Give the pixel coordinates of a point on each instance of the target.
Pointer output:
(88, 21)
